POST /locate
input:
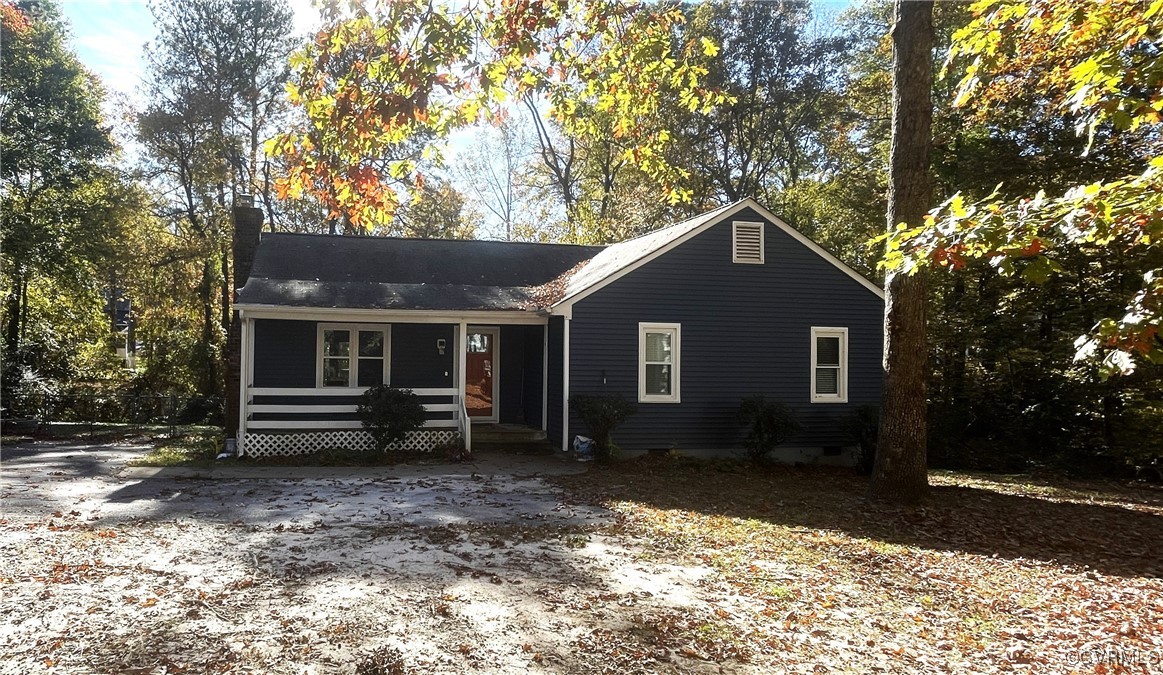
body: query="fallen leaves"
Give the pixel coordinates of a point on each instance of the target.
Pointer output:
(993, 573)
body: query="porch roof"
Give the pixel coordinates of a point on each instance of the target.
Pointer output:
(391, 273)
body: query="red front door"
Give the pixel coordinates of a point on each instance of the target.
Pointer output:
(480, 374)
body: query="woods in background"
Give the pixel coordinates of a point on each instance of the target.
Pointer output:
(537, 129)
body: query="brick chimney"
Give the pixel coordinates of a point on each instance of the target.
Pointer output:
(247, 228)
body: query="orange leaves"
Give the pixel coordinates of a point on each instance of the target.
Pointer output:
(949, 256)
(378, 79)
(1033, 248)
(11, 18)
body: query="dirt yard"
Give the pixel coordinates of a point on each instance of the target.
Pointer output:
(462, 568)
(519, 565)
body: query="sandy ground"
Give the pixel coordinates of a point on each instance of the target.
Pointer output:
(463, 568)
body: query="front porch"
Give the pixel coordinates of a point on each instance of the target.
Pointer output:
(302, 377)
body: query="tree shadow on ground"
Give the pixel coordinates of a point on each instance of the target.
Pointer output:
(70, 458)
(1110, 529)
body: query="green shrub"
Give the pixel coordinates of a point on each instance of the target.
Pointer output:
(864, 428)
(770, 422)
(602, 413)
(390, 414)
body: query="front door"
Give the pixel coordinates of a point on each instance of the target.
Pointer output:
(481, 377)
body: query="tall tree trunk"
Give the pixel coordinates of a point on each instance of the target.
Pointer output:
(901, 472)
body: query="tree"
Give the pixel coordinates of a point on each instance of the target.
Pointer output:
(1101, 64)
(785, 100)
(438, 211)
(901, 472)
(217, 71)
(55, 182)
(377, 77)
(492, 167)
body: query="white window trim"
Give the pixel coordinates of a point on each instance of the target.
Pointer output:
(735, 237)
(842, 395)
(353, 366)
(676, 351)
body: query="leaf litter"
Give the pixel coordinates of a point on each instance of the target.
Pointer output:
(649, 566)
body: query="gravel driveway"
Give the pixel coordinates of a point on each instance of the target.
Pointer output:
(463, 568)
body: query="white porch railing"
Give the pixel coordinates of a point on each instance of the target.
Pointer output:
(458, 421)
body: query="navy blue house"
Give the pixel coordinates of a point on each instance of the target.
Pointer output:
(686, 321)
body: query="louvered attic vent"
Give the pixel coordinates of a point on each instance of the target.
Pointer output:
(747, 243)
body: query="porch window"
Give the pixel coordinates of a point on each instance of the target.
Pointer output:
(829, 365)
(658, 362)
(352, 355)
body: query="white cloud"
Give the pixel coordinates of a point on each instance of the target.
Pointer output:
(109, 38)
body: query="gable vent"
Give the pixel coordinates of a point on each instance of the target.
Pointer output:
(747, 242)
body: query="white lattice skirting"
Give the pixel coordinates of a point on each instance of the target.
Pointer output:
(306, 442)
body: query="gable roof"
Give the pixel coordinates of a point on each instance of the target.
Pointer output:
(326, 271)
(617, 260)
(329, 271)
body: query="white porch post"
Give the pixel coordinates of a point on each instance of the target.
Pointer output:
(545, 377)
(462, 375)
(244, 366)
(565, 386)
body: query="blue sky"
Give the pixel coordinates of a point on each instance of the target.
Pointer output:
(109, 37)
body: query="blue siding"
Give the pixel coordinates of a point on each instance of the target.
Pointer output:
(285, 356)
(534, 377)
(745, 331)
(416, 361)
(284, 353)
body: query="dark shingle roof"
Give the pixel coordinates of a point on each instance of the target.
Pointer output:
(389, 273)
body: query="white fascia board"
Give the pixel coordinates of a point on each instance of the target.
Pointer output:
(564, 307)
(341, 314)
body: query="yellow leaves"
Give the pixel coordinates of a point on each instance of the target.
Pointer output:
(956, 206)
(375, 78)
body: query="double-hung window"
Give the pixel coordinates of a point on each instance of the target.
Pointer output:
(352, 355)
(658, 362)
(829, 365)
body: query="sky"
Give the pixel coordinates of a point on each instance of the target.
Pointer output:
(109, 37)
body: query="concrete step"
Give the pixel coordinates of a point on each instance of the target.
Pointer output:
(534, 448)
(510, 435)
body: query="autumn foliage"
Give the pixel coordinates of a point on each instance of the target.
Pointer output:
(384, 82)
(1102, 64)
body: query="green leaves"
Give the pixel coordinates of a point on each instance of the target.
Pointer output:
(1102, 64)
(381, 83)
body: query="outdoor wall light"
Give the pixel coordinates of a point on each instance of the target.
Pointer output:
(440, 345)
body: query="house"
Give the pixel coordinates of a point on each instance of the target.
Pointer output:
(686, 320)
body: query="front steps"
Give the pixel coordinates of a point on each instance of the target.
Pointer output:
(510, 438)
